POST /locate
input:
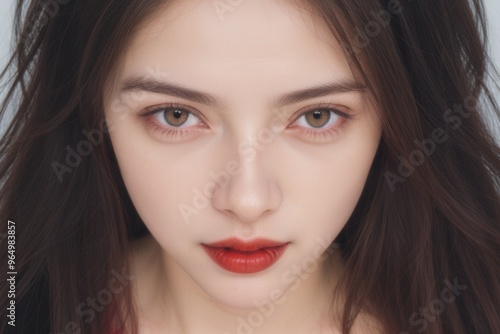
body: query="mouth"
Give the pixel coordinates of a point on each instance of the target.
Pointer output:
(245, 257)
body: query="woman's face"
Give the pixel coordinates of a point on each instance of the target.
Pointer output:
(256, 145)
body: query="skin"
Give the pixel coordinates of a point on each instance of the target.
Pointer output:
(297, 187)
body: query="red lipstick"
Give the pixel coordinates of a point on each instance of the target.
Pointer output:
(245, 257)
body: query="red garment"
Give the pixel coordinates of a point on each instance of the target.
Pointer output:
(108, 328)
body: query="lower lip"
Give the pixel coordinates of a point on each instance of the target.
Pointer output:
(245, 262)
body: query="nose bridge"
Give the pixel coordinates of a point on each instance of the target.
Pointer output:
(252, 190)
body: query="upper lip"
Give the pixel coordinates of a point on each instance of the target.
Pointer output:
(245, 246)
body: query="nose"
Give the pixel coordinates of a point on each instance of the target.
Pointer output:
(251, 193)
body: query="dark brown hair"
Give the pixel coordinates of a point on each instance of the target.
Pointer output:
(422, 248)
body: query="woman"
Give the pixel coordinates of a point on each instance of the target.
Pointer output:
(250, 167)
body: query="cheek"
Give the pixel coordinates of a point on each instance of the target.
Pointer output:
(326, 182)
(327, 194)
(159, 179)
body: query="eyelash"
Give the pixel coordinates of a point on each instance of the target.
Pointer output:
(180, 133)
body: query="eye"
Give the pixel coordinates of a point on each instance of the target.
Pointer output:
(175, 117)
(321, 123)
(179, 122)
(173, 122)
(317, 118)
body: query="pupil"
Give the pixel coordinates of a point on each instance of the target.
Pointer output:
(177, 114)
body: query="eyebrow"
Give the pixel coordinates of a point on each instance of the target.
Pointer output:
(138, 83)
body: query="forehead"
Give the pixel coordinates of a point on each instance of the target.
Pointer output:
(195, 42)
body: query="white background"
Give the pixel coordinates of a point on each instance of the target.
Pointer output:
(7, 14)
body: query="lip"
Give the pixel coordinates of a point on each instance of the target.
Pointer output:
(245, 257)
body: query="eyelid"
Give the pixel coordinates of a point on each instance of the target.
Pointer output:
(158, 108)
(319, 134)
(322, 106)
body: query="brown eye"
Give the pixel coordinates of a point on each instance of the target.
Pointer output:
(175, 117)
(317, 118)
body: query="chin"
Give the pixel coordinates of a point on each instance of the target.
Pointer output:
(248, 291)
